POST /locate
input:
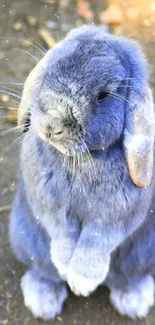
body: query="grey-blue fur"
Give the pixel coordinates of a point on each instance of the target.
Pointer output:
(77, 209)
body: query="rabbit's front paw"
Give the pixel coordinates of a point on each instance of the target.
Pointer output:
(61, 254)
(84, 278)
(82, 285)
(61, 267)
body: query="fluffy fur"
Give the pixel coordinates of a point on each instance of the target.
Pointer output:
(79, 215)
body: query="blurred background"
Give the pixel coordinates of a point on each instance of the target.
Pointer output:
(28, 28)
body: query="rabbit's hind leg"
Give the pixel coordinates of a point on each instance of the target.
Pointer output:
(44, 298)
(43, 290)
(134, 300)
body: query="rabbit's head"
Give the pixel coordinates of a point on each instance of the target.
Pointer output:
(88, 92)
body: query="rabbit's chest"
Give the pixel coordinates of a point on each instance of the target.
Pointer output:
(83, 188)
(99, 187)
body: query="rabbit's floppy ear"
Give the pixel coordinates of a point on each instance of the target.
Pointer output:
(30, 91)
(139, 136)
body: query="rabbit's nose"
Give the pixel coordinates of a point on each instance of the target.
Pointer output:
(55, 130)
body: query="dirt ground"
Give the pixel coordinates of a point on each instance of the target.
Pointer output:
(15, 65)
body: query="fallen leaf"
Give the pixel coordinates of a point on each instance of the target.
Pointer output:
(133, 13)
(112, 15)
(83, 9)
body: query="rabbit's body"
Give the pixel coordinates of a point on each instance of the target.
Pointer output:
(78, 215)
(86, 191)
(31, 233)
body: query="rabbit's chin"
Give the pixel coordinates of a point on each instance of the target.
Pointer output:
(76, 149)
(69, 150)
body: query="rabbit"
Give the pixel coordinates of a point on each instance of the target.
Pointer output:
(86, 180)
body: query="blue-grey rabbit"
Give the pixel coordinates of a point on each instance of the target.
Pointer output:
(81, 213)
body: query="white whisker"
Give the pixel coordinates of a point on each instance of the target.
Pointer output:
(15, 101)
(16, 141)
(15, 95)
(118, 96)
(11, 83)
(8, 88)
(26, 52)
(41, 49)
(5, 116)
(90, 159)
(11, 130)
(9, 93)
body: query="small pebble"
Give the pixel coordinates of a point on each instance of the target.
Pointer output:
(4, 322)
(4, 98)
(65, 27)
(88, 323)
(18, 26)
(59, 318)
(51, 24)
(25, 43)
(13, 272)
(8, 295)
(5, 190)
(32, 21)
(2, 55)
(78, 23)
(12, 188)
(64, 4)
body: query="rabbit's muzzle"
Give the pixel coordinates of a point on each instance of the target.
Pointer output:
(55, 130)
(61, 132)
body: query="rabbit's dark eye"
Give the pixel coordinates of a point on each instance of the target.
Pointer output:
(101, 96)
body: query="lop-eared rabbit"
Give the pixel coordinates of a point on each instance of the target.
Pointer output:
(81, 213)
